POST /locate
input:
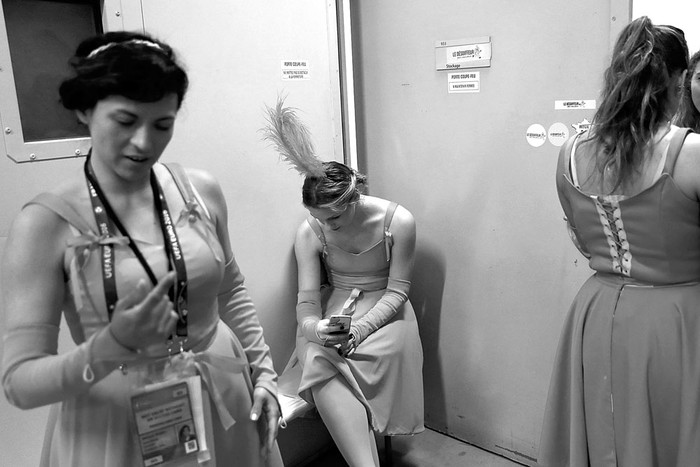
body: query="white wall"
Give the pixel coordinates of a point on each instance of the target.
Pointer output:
(680, 13)
(495, 270)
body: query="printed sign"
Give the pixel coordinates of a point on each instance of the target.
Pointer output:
(295, 70)
(581, 126)
(465, 81)
(463, 53)
(536, 135)
(575, 104)
(558, 134)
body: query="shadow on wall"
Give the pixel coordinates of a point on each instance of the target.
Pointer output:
(277, 313)
(427, 287)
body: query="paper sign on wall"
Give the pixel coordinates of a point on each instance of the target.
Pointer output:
(582, 104)
(464, 81)
(463, 53)
(295, 70)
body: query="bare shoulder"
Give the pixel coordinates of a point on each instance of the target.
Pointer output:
(306, 244)
(687, 170)
(402, 217)
(209, 188)
(204, 181)
(692, 143)
(73, 191)
(37, 232)
(305, 235)
(36, 218)
(689, 156)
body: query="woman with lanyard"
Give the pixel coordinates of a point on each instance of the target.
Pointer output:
(136, 256)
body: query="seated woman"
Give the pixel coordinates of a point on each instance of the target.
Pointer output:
(367, 378)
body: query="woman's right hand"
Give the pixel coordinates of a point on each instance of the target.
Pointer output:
(329, 335)
(145, 317)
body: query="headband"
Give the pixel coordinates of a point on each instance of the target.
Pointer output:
(109, 45)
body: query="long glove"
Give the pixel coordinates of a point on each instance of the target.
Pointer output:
(34, 375)
(396, 294)
(309, 314)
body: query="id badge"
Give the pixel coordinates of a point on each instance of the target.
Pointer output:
(169, 421)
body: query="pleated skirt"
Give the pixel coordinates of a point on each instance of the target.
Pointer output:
(625, 388)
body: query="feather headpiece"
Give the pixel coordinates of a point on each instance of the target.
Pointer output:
(292, 140)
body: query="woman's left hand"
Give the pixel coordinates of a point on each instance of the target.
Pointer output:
(265, 411)
(348, 347)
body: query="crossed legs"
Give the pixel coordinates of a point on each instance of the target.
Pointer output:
(346, 420)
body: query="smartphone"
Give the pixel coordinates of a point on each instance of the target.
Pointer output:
(339, 324)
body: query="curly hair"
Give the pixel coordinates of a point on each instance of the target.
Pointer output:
(132, 65)
(634, 102)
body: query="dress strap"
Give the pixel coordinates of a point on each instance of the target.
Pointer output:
(389, 215)
(313, 223)
(388, 238)
(182, 181)
(674, 148)
(64, 209)
(567, 159)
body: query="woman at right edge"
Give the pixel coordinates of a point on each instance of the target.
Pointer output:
(625, 390)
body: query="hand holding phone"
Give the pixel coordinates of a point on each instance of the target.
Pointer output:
(339, 324)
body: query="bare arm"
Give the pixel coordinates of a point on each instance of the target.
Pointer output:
(236, 308)
(307, 249)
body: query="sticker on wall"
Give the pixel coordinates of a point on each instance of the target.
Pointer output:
(576, 104)
(536, 135)
(295, 69)
(581, 126)
(558, 134)
(466, 81)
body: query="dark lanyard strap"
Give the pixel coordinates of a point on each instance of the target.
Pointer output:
(107, 219)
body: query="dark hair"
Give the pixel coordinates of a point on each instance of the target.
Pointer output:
(339, 187)
(634, 100)
(181, 432)
(688, 115)
(122, 63)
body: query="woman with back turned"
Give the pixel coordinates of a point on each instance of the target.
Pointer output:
(625, 390)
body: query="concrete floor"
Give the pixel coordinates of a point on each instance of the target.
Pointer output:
(428, 449)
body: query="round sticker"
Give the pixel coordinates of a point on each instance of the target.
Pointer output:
(558, 134)
(536, 135)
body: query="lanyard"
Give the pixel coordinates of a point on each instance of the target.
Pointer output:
(107, 220)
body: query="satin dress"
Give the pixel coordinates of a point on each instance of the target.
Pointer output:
(90, 425)
(386, 370)
(625, 389)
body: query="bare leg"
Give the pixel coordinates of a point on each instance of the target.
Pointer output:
(346, 420)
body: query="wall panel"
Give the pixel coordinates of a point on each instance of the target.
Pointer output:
(495, 271)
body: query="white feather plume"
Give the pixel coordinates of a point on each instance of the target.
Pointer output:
(292, 139)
